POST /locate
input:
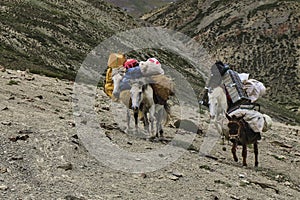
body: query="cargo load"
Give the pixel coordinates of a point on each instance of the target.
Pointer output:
(115, 60)
(236, 95)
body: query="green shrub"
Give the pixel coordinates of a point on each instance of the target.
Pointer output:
(13, 82)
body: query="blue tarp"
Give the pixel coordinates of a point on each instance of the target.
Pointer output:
(131, 73)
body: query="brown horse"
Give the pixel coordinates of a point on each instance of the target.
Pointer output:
(240, 133)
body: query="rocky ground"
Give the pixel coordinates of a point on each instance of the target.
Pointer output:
(42, 156)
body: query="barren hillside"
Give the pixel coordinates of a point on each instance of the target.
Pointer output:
(139, 7)
(257, 37)
(53, 37)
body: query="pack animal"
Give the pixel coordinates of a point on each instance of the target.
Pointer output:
(162, 110)
(237, 130)
(217, 109)
(139, 99)
(240, 133)
(141, 95)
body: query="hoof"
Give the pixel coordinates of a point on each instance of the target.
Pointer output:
(126, 130)
(152, 138)
(161, 134)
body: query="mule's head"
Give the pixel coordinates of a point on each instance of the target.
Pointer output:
(117, 76)
(136, 94)
(235, 128)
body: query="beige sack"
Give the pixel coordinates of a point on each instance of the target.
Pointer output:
(163, 86)
(116, 60)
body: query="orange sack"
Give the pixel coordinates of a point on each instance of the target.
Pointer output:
(115, 60)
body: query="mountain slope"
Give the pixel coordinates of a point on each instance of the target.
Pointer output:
(53, 37)
(260, 37)
(139, 7)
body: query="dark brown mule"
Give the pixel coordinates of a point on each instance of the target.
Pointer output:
(240, 133)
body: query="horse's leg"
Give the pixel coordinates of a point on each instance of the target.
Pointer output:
(146, 121)
(256, 153)
(149, 97)
(244, 154)
(233, 150)
(222, 129)
(160, 128)
(216, 123)
(136, 119)
(151, 118)
(159, 117)
(219, 129)
(157, 122)
(128, 121)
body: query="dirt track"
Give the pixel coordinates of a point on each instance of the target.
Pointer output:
(43, 158)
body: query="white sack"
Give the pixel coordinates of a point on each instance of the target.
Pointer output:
(254, 89)
(257, 121)
(151, 67)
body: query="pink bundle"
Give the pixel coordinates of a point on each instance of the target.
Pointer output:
(130, 63)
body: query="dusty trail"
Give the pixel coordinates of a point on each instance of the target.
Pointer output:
(41, 156)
